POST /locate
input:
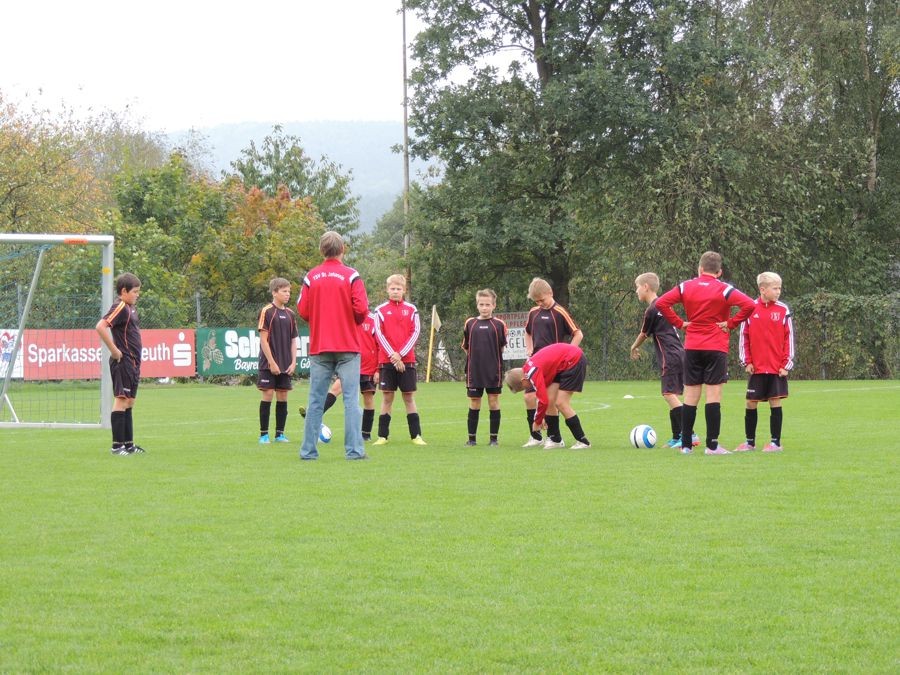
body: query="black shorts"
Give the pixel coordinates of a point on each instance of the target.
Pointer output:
(391, 380)
(367, 383)
(705, 366)
(478, 392)
(125, 378)
(672, 382)
(572, 379)
(280, 382)
(766, 386)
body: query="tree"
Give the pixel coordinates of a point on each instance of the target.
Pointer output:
(281, 162)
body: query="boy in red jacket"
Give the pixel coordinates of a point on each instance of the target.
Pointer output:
(707, 301)
(397, 331)
(766, 348)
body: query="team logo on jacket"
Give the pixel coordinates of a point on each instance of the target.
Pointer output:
(776, 316)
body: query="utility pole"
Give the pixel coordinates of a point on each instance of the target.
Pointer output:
(406, 162)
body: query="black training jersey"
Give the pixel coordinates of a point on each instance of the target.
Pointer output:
(666, 341)
(548, 326)
(125, 327)
(483, 342)
(281, 326)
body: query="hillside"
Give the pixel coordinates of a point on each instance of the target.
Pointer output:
(361, 147)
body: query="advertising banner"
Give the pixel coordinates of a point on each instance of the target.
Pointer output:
(235, 351)
(76, 354)
(515, 335)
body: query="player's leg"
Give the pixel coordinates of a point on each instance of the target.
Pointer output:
(388, 380)
(333, 392)
(716, 376)
(265, 382)
(281, 406)
(750, 415)
(494, 408)
(530, 409)
(474, 394)
(367, 389)
(321, 370)
(778, 391)
(693, 388)
(347, 367)
(571, 381)
(554, 437)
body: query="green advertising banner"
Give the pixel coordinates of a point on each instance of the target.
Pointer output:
(235, 351)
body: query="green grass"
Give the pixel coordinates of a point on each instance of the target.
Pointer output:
(211, 553)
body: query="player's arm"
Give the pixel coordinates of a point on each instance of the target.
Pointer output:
(529, 340)
(465, 340)
(303, 301)
(540, 393)
(788, 348)
(577, 337)
(664, 304)
(359, 300)
(103, 329)
(745, 307)
(744, 348)
(636, 346)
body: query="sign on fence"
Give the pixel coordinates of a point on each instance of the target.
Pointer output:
(76, 354)
(515, 335)
(235, 351)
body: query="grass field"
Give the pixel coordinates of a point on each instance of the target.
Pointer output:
(211, 553)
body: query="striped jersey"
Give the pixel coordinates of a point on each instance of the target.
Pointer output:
(767, 338)
(548, 326)
(397, 330)
(125, 327)
(280, 327)
(666, 341)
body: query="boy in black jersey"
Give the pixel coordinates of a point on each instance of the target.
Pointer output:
(547, 323)
(278, 341)
(484, 338)
(669, 352)
(120, 331)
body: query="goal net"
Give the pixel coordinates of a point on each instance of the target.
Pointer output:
(53, 289)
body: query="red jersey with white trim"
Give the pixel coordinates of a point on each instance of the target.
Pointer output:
(767, 338)
(707, 301)
(397, 330)
(548, 326)
(368, 347)
(333, 301)
(543, 367)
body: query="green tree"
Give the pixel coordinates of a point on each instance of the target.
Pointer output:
(282, 162)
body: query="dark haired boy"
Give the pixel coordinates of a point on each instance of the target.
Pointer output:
(120, 331)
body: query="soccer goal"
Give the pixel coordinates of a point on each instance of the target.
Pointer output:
(53, 289)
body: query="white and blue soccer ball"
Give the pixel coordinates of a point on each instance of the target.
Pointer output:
(643, 436)
(325, 434)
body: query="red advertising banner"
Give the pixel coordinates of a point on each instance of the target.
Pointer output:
(76, 354)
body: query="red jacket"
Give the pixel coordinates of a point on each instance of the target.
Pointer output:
(397, 330)
(706, 301)
(543, 367)
(333, 301)
(767, 338)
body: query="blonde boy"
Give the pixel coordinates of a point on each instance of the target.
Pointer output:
(669, 352)
(397, 331)
(547, 323)
(766, 349)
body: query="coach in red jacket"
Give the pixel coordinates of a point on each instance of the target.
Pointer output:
(333, 301)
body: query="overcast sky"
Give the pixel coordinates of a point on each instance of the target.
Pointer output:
(198, 63)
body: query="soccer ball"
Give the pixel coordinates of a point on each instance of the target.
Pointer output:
(325, 434)
(643, 436)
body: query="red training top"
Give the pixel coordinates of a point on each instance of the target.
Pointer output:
(368, 347)
(397, 330)
(767, 338)
(707, 301)
(333, 301)
(543, 367)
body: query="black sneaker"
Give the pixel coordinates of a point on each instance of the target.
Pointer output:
(134, 449)
(119, 450)
(471, 442)
(494, 443)
(367, 436)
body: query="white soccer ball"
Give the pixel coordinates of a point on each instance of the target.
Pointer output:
(324, 434)
(643, 436)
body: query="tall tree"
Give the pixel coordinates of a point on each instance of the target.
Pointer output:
(281, 162)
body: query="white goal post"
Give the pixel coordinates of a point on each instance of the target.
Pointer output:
(59, 399)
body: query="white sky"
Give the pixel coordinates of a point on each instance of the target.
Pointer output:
(198, 63)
